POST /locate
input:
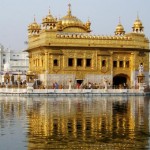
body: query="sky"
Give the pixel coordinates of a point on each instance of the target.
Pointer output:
(16, 15)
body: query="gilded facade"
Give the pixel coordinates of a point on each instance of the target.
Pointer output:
(65, 49)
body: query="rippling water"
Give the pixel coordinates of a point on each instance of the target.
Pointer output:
(80, 122)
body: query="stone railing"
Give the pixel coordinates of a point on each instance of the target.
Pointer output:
(73, 91)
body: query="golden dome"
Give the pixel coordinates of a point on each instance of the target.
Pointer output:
(71, 23)
(59, 25)
(88, 23)
(49, 18)
(119, 29)
(138, 26)
(34, 26)
(138, 23)
(70, 20)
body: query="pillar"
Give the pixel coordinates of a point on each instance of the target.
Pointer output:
(46, 61)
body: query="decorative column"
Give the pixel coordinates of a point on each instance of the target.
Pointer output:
(46, 69)
(30, 61)
(75, 62)
(46, 60)
(30, 81)
(84, 63)
(141, 78)
(70, 84)
(105, 83)
(46, 79)
(117, 63)
(18, 81)
(124, 63)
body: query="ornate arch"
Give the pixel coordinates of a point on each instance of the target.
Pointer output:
(121, 80)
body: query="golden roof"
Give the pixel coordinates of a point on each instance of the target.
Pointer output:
(88, 23)
(137, 23)
(34, 26)
(49, 18)
(119, 29)
(70, 20)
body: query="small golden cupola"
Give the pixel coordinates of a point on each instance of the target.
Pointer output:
(59, 25)
(137, 26)
(72, 23)
(34, 28)
(49, 22)
(119, 29)
(88, 25)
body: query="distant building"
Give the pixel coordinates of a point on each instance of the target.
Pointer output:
(17, 61)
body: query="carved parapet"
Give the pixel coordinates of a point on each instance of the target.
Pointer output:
(88, 36)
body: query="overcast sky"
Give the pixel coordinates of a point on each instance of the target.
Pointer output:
(16, 15)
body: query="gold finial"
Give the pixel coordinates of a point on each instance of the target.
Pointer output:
(34, 19)
(49, 11)
(137, 15)
(69, 5)
(69, 10)
(119, 20)
(88, 21)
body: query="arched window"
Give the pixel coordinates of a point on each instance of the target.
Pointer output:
(55, 62)
(88, 62)
(115, 64)
(79, 62)
(70, 62)
(121, 64)
(103, 63)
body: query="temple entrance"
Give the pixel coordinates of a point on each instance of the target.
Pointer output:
(120, 81)
(79, 81)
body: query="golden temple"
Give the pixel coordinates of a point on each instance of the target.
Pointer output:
(65, 49)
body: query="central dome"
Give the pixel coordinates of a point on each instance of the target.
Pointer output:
(70, 20)
(72, 24)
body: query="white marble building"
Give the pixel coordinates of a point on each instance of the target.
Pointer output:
(18, 61)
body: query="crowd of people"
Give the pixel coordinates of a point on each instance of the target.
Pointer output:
(40, 85)
(88, 85)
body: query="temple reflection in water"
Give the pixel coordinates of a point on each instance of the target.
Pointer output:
(81, 122)
(87, 122)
